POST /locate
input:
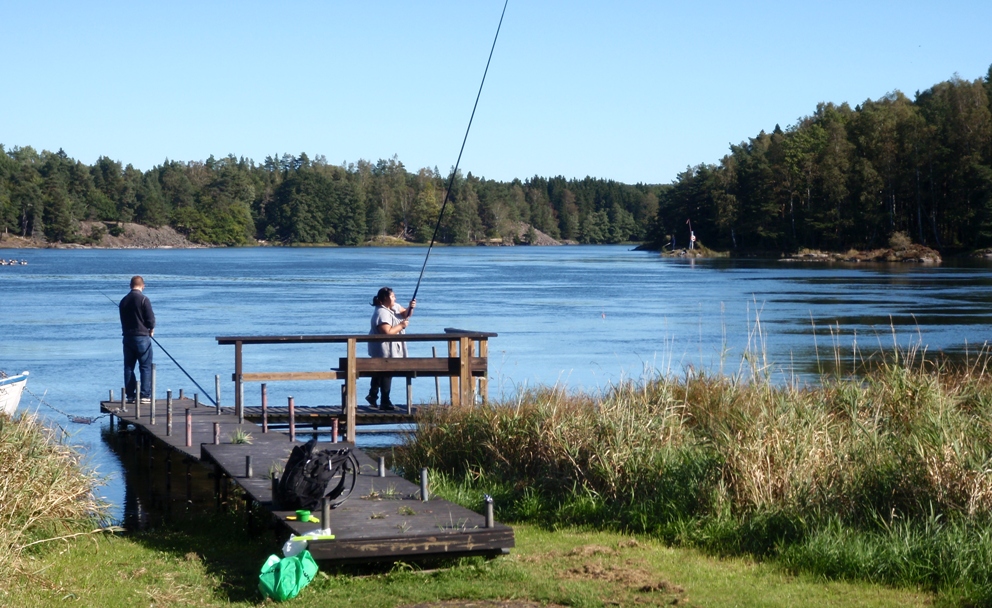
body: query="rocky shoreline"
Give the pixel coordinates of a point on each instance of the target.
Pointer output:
(911, 254)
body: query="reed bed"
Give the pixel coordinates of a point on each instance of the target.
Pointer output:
(886, 476)
(44, 492)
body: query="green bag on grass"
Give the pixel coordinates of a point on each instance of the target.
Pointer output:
(282, 579)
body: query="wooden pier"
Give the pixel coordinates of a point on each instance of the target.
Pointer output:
(383, 519)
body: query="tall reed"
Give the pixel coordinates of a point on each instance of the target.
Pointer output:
(44, 492)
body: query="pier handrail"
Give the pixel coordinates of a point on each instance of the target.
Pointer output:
(463, 364)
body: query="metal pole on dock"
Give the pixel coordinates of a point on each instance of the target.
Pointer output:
(424, 496)
(216, 433)
(196, 399)
(189, 428)
(334, 430)
(490, 520)
(151, 414)
(248, 470)
(292, 420)
(241, 407)
(265, 409)
(111, 395)
(168, 413)
(325, 514)
(382, 466)
(437, 379)
(217, 391)
(180, 394)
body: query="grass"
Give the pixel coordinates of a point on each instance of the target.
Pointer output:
(884, 477)
(213, 565)
(45, 496)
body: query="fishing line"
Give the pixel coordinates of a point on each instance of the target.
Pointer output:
(205, 393)
(451, 181)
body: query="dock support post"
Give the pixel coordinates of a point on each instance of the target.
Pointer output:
(424, 496)
(111, 423)
(216, 433)
(152, 415)
(180, 394)
(196, 399)
(189, 429)
(382, 466)
(453, 381)
(111, 395)
(168, 413)
(123, 400)
(490, 520)
(437, 379)
(239, 396)
(325, 514)
(465, 382)
(292, 420)
(248, 470)
(409, 395)
(351, 381)
(217, 391)
(265, 409)
(334, 430)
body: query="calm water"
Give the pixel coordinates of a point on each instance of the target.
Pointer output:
(582, 317)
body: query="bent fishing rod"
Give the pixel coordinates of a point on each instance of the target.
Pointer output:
(454, 172)
(205, 393)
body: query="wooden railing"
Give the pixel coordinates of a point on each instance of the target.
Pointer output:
(467, 359)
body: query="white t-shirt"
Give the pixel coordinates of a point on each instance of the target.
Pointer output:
(386, 349)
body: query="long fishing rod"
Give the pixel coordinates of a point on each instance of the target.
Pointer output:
(205, 393)
(447, 193)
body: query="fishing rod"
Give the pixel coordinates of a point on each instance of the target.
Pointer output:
(205, 393)
(454, 172)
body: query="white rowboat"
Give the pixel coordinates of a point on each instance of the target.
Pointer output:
(10, 391)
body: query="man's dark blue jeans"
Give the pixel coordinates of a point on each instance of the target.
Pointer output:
(137, 349)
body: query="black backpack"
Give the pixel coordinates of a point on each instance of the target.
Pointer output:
(311, 476)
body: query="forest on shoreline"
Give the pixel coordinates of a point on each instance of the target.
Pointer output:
(840, 178)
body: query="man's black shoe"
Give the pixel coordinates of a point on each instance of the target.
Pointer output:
(371, 400)
(387, 407)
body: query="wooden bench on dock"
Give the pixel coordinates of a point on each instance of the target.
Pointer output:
(466, 363)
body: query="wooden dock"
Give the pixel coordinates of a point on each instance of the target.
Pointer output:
(384, 518)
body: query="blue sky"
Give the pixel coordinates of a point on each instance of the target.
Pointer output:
(632, 91)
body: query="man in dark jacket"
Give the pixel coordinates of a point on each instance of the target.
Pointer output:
(138, 327)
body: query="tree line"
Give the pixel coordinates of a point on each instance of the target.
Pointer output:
(849, 178)
(837, 179)
(295, 199)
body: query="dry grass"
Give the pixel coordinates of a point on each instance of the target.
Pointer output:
(44, 493)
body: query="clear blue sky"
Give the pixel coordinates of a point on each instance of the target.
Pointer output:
(632, 91)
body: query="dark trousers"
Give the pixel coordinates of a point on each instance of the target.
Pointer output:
(381, 383)
(137, 349)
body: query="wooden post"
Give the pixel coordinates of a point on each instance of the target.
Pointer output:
(465, 370)
(180, 394)
(453, 381)
(196, 399)
(484, 380)
(409, 395)
(152, 411)
(292, 420)
(351, 383)
(238, 396)
(265, 409)
(189, 428)
(217, 391)
(216, 433)
(437, 379)
(168, 413)
(334, 430)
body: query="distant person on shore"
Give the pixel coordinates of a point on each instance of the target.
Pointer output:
(138, 327)
(388, 318)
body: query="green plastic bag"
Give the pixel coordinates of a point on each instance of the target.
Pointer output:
(282, 579)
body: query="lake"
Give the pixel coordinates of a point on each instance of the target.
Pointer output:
(580, 317)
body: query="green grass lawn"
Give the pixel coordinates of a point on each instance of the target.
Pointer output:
(573, 568)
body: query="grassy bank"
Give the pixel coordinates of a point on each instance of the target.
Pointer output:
(885, 478)
(44, 494)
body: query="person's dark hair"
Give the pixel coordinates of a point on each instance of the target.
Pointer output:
(137, 281)
(382, 296)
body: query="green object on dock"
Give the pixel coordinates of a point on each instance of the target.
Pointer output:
(313, 537)
(282, 579)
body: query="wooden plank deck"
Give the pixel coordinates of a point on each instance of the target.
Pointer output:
(383, 519)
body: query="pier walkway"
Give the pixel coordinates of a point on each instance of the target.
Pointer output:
(385, 517)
